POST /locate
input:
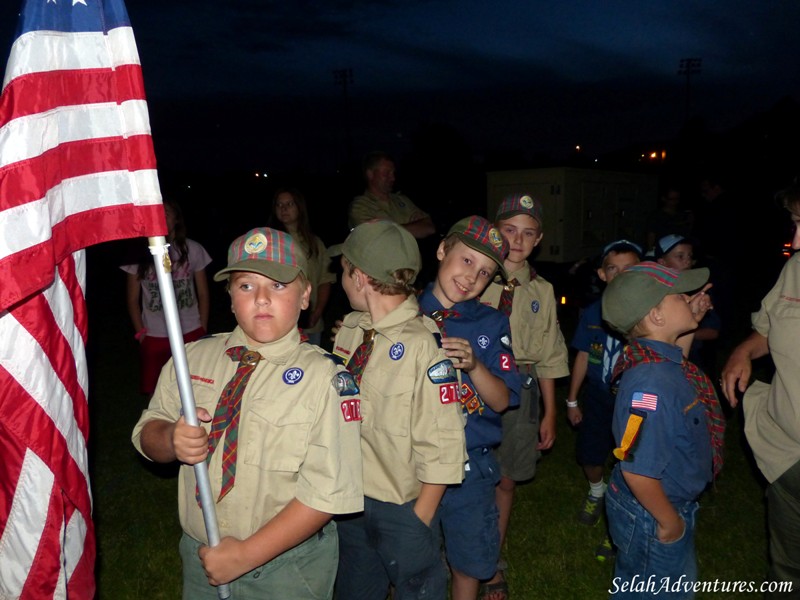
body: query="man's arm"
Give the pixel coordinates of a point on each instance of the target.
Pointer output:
(737, 371)
(421, 228)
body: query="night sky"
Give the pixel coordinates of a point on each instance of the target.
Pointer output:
(250, 84)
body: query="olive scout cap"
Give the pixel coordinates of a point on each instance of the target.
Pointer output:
(265, 251)
(632, 293)
(477, 233)
(519, 204)
(379, 248)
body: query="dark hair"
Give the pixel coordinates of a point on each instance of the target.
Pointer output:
(303, 226)
(789, 197)
(177, 240)
(371, 160)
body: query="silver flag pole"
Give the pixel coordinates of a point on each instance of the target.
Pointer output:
(159, 250)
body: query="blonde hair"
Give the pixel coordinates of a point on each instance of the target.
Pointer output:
(402, 281)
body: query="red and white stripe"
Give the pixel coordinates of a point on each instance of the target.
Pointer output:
(77, 165)
(77, 168)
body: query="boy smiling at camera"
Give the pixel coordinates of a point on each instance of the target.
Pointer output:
(478, 341)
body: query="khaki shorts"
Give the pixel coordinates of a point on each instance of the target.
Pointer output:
(517, 453)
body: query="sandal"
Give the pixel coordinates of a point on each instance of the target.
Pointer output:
(494, 591)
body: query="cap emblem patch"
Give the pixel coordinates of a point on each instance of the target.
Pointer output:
(255, 244)
(526, 202)
(495, 238)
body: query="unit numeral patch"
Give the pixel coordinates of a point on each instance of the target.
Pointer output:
(351, 409)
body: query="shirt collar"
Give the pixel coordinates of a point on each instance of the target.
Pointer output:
(430, 303)
(523, 275)
(277, 352)
(391, 324)
(669, 351)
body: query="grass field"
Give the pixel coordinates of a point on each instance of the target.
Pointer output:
(550, 555)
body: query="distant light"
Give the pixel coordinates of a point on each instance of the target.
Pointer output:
(653, 155)
(258, 174)
(595, 160)
(264, 175)
(563, 299)
(578, 148)
(188, 187)
(663, 155)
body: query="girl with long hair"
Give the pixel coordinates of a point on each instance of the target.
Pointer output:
(189, 260)
(290, 214)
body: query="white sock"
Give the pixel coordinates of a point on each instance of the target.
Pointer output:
(598, 490)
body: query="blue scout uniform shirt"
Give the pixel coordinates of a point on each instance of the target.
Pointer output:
(603, 348)
(485, 328)
(673, 442)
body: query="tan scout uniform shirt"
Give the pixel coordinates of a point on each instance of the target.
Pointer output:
(318, 272)
(399, 209)
(408, 435)
(772, 412)
(293, 438)
(535, 334)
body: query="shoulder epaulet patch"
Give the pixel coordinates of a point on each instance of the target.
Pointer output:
(214, 335)
(345, 384)
(443, 372)
(506, 341)
(335, 358)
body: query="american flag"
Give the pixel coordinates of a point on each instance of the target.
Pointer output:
(644, 400)
(76, 168)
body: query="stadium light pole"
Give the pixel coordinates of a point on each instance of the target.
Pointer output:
(344, 78)
(689, 67)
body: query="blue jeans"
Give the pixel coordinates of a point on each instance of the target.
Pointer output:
(388, 544)
(643, 564)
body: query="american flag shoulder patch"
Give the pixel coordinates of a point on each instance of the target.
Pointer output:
(644, 400)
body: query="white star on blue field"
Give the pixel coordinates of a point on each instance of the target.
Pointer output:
(259, 74)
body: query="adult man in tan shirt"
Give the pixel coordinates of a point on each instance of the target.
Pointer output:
(379, 202)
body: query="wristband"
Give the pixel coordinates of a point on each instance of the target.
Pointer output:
(572, 404)
(140, 334)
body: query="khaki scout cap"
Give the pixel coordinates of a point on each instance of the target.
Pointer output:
(379, 248)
